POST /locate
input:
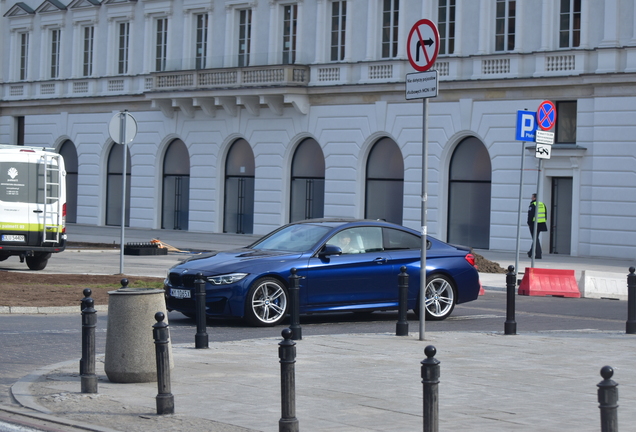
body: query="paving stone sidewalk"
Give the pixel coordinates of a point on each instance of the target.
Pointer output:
(544, 381)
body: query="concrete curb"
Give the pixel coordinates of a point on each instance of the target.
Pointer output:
(20, 391)
(29, 310)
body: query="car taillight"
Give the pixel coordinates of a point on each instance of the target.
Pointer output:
(471, 259)
(64, 218)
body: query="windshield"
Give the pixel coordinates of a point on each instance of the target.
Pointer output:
(294, 238)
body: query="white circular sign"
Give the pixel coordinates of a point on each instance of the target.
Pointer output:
(115, 128)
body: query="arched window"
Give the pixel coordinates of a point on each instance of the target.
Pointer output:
(385, 182)
(239, 189)
(176, 187)
(307, 182)
(469, 195)
(114, 185)
(69, 153)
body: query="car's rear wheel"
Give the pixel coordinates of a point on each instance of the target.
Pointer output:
(38, 261)
(440, 298)
(266, 302)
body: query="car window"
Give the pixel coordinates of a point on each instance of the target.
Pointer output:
(358, 240)
(396, 239)
(294, 238)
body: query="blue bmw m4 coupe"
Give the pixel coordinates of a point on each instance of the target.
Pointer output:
(344, 265)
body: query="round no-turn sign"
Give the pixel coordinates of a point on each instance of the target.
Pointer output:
(422, 45)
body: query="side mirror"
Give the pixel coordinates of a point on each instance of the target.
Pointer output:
(328, 250)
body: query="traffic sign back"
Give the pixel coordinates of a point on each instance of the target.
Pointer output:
(422, 45)
(546, 115)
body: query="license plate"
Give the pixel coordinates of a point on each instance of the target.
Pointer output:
(179, 293)
(13, 238)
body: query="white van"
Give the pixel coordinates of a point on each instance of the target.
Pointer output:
(32, 204)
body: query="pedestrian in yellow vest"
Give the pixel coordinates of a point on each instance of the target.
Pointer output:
(542, 217)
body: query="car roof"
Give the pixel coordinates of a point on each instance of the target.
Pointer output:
(338, 222)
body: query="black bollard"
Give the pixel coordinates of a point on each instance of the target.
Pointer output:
(294, 305)
(287, 354)
(201, 338)
(510, 326)
(160, 332)
(608, 400)
(430, 381)
(87, 363)
(402, 326)
(87, 294)
(631, 302)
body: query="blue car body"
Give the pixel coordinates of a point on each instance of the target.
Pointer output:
(366, 280)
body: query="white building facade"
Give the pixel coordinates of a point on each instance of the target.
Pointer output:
(252, 114)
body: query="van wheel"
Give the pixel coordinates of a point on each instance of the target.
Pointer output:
(38, 262)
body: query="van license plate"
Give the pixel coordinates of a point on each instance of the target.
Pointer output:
(13, 238)
(179, 293)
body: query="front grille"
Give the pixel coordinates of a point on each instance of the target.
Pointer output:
(182, 280)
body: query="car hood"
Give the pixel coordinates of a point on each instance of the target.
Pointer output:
(234, 260)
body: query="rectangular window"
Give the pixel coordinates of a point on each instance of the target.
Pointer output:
(122, 50)
(390, 20)
(24, 55)
(505, 25)
(55, 53)
(290, 20)
(245, 36)
(161, 45)
(338, 25)
(89, 39)
(570, 24)
(202, 41)
(446, 26)
(566, 122)
(19, 130)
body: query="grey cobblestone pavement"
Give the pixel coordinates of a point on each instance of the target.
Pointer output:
(542, 381)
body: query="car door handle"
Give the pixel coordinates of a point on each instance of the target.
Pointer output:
(380, 260)
(37, 211)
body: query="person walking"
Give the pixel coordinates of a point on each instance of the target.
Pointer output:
(541, 215)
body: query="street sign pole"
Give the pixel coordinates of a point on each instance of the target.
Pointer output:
(523, 159)
(536, 213)
(422, 47)
(122, 140)
(123, 129)
(424, 229)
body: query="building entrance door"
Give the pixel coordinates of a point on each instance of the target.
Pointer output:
(560, 216)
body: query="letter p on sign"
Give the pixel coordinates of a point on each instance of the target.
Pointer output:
(526, 125)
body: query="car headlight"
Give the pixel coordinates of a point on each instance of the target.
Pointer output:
(226, 279)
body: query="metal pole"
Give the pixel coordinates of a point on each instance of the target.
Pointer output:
(510, 326)
(631, 302)
(160, 332)
(201, 337)
(88, 377)
(402, 326)
(287, 355)
(608, 400)
(122, 141)
(430, 382)
(523, 159)
(535, 234)
(294, 310)
(424, 230)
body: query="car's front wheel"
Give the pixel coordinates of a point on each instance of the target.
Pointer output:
(440, 298)
(266, 302)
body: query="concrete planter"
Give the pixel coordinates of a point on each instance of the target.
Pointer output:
(130, 349)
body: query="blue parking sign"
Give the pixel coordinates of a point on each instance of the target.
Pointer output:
(526, 125)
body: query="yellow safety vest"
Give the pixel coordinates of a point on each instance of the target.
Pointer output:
(541, 216)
